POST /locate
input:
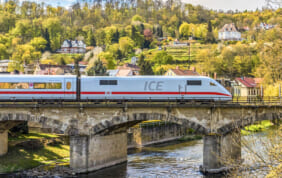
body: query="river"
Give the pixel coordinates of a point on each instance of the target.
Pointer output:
(181, 159)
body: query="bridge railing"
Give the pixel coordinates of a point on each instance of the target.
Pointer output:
(253, 100)
(257, 100)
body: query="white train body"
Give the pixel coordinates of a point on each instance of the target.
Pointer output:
(152, 88)
(137, 88)
(32, 87)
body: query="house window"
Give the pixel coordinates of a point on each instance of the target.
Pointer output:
(19, 85)
(108, 82)
(47, 85)
(194, 82)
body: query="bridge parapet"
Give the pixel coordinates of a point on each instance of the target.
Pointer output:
(95, 123)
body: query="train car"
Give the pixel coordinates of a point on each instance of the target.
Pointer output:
(35, 87)
(152, 88)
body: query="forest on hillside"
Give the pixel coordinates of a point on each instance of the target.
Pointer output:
(128, 28)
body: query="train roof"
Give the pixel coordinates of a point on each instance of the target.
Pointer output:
(37, 76)
(148, 76)
(112, 77)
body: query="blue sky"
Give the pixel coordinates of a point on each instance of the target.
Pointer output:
(211, 4)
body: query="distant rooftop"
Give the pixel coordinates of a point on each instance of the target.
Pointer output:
(249, 82)
(229, 28)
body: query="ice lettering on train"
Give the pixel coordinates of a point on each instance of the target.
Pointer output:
(153, 86)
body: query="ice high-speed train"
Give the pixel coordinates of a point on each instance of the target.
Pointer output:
(137, 88)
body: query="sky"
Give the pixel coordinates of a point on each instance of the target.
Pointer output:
(225, 5)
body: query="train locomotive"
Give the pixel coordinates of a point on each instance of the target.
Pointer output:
(86, 88)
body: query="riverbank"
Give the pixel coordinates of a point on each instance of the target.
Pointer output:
(259, 127)
(28, 151)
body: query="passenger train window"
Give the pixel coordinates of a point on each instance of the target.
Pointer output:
(108, 82)
(47, 85)
(212, 84)
(194, 82)
(68, 85)
(19, 85)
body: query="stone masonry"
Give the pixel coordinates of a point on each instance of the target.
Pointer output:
(98, 134)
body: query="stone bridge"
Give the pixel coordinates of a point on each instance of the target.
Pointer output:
(98, 136)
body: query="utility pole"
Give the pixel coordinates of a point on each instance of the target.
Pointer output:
(189, 53)
(280, 92)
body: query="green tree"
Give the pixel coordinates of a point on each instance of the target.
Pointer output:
(98, 69)
(126, 45)
(77, 59)
(185, 30)
(38, 43)
(145, 66)
(162, 57)
(90, 40)
(138, 18)
(210, 37)
(54, 29)
(24, 54)
(3, 51)
(23, 29)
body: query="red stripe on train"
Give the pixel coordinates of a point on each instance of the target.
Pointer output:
(37, 92)
(169, 93)
(156, 93)
(93, 93)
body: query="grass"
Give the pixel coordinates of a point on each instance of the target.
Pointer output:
(23, 137)
(18, 159)
(256, 127)
(190, 138)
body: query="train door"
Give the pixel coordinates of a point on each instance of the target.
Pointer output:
(69, 88)
(182, 89)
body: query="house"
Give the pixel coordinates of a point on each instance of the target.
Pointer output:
(177, 43)
(229, 32)
(112, 72)
(73, 46)
(120, 72)
(179, 72)
(48, 69)
(265, 26)
(247, 87)
(125, 70)
(82, 67)
(134, 60)
(4, 66)
(134, 68)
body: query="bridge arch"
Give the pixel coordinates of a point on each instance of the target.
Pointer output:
(8, 120)
(117, 123)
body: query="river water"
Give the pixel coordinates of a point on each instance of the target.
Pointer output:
(181, 159)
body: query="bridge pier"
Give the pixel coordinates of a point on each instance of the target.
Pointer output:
(221, 152)
(3, 142)
(92, 153)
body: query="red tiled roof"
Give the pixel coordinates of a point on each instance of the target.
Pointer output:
(249, 82)
(184, 72)
(129, 67)
(228, 28)
(124, 72)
